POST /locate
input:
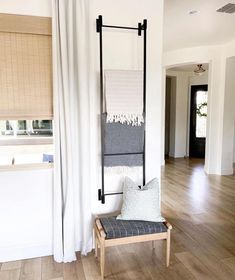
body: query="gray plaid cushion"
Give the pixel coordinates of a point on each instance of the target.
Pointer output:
(123, 228)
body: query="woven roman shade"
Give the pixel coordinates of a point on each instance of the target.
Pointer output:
(25, 76)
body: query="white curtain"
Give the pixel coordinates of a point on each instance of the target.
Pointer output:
(72, 204)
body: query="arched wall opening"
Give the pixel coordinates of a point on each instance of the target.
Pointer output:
(180, 134)
(217, 58)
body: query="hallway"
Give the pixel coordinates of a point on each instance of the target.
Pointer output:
(201, 209)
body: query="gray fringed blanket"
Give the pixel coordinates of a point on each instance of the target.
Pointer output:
(123, 138)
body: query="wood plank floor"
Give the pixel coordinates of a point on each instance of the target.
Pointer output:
(201, 209)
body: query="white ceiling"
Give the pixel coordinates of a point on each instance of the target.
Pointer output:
(189, 67)
(207, 27)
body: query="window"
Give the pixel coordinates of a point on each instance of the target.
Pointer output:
(26, 106)
(26, 142)
(201, 109)
(26, 128)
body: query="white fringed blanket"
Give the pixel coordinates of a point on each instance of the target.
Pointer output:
(124, 96)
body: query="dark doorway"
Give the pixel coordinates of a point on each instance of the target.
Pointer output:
(198, 116)
(170, 112)
(167, 116)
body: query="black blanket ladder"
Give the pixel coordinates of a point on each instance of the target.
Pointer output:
(141, 31)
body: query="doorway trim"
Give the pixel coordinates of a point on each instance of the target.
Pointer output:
(207, 148)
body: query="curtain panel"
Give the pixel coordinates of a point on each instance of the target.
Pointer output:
(72, 188)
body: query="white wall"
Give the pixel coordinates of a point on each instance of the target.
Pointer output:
(29, 192)
(229, 119)
(26, 7)
(25, 214)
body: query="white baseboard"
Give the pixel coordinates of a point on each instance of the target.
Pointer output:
(226, 172)
(24, 252)
(221, 172)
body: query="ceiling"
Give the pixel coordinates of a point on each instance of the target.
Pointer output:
(189, 67)
(207, 27)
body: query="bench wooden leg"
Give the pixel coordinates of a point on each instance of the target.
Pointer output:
(153, 244)
(96, 246)
(102, 260)
(168, 247)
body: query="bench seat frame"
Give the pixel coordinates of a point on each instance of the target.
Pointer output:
(102, 243)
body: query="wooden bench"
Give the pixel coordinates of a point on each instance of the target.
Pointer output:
(105, 235)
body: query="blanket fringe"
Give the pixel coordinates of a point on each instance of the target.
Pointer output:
(130, 119)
